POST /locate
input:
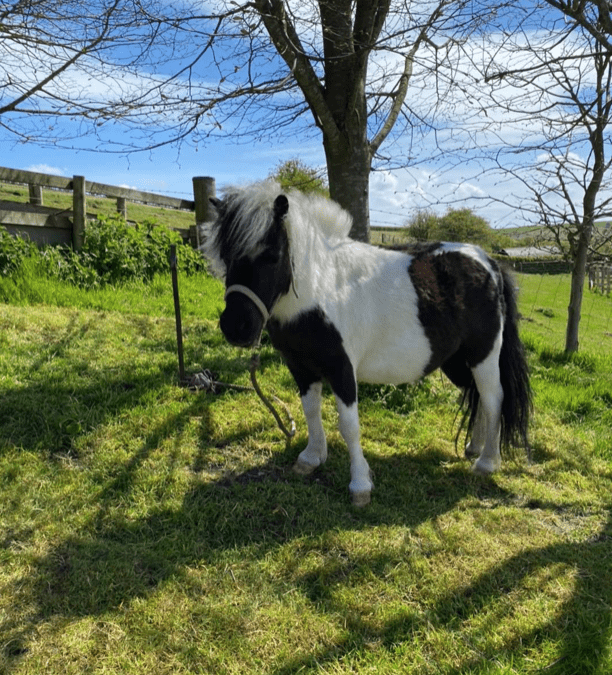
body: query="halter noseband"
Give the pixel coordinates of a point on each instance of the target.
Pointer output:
(245, 290)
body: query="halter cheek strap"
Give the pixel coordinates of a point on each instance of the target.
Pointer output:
(239, 288)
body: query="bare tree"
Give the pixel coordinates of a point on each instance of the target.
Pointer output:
(73, 61)
(550, 79)
(338, 69)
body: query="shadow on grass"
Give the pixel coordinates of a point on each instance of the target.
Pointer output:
(115, 560)
(581, 626)
(64, 393)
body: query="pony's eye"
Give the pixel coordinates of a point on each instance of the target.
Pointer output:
(269, 257)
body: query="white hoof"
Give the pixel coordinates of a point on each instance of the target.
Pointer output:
(304, 468)
(361, 498)
(485, 466)
(361, 490)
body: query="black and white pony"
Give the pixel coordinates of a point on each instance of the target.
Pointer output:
(343, 311)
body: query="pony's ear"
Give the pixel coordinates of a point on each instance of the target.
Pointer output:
(281, 206)
(215, 202)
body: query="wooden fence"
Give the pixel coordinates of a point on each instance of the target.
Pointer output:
(600, 278)
(45, 225)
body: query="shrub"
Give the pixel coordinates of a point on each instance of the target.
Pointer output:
(423, 225)
(13, 251)
(461, 225)
(295, 174)
(113, 252)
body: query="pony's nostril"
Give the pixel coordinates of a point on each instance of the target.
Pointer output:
(238, 329)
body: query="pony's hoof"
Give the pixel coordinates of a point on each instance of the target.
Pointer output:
(361, 499)
(303, 468)
(485, 467)
(471, 452)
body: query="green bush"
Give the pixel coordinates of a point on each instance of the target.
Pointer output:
(461, 225)
(113, 252)
(295, 174)
(13, 251)
(118, 252)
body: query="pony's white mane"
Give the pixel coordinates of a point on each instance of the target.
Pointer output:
(252, 205)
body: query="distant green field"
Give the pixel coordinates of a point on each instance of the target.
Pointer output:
(101, 206)
(544, 300)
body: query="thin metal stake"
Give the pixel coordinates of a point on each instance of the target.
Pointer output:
(177, 313)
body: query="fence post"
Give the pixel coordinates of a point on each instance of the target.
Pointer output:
(79, 210)
(122, 207)
(36, 194)
(203, 190)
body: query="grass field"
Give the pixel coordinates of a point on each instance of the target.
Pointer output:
(101, 206)
(148, 529)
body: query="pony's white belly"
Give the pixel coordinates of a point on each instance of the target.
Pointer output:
(393, 362)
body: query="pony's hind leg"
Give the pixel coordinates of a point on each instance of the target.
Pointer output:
(488, 428)
(315, 452)
(477, 441)
(361, 484)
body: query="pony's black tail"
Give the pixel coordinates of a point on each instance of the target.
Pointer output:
(514, 373)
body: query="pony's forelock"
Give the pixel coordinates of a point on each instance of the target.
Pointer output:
(246, 215)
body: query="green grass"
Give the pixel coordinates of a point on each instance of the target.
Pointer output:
(544, 300)
(148, 529)
(201, 295)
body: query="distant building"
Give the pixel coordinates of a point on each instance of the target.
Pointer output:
(530, 251)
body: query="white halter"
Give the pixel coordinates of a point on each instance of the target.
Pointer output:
(239, 288)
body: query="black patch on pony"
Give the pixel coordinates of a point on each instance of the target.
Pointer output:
(268, 275)
(313, 351)
(459, 306)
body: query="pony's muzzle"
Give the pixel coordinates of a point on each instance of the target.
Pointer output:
(244, 317)
(241, 326)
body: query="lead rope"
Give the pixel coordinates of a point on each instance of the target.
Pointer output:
(290, 433)
(205, 381)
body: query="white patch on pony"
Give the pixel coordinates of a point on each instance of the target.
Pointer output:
(470, 251)
(367, 294)
(308, 216)
(487, 378)
(361, 484)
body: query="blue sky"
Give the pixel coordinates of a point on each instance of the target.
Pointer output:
(394, 195)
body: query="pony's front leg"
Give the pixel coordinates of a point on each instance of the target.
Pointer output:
(361, 484)
(315, 452)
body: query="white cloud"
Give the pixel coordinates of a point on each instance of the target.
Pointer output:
(45, 168)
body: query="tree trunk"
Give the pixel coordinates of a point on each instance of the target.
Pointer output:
(576, 292)
(581, 249)
(348, 172)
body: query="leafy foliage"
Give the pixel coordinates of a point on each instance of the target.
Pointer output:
(13, 251)
(113, 252)
(119, 252)
(297, 175)
(423, 225)
(455, 225)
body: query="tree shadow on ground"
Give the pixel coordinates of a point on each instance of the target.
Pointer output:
(114, 561)
(582, 625)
